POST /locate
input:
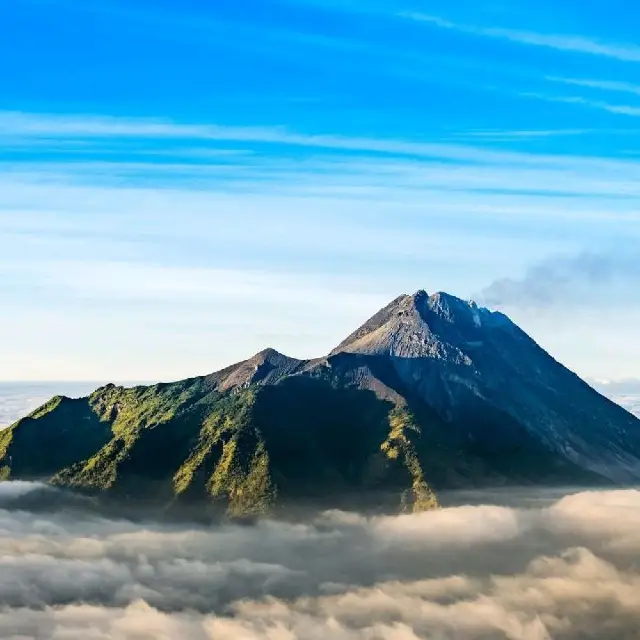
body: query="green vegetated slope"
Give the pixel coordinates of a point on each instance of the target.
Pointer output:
(54, 436)
(244, 449)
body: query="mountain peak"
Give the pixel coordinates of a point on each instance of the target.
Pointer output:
(439, 326)
(443, 303)
(263, 368)
(268, 355)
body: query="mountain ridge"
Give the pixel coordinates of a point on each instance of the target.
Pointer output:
(431, 392)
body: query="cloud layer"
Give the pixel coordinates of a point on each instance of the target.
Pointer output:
(19, 399)
(542, 569)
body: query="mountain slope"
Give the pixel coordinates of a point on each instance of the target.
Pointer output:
(430, 393)
(460, 358)
(242, 447)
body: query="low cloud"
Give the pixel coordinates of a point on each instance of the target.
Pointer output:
(548, 568)
(588, 279)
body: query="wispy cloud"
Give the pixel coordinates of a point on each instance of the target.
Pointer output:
(619, 109)
(525, 136)
(604, 85)
(80, 128)
(560, 42)
(506, 135)
(336, 173)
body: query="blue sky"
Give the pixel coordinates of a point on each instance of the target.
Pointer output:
(183, 184)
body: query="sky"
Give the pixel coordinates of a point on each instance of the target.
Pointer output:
(185, 184)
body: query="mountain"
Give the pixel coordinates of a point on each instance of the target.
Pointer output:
(431, 393)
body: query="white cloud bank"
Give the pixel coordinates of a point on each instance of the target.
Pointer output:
(564, 571)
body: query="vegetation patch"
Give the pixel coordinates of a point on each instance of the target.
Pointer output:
(400, 447)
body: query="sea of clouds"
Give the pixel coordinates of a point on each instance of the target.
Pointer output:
(625, 392)
(17, 399)
(565, 568)
(514, 564)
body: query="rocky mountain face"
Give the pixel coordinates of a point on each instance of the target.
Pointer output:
(431, 393)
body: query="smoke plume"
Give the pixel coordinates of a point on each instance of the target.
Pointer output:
(584, 280)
